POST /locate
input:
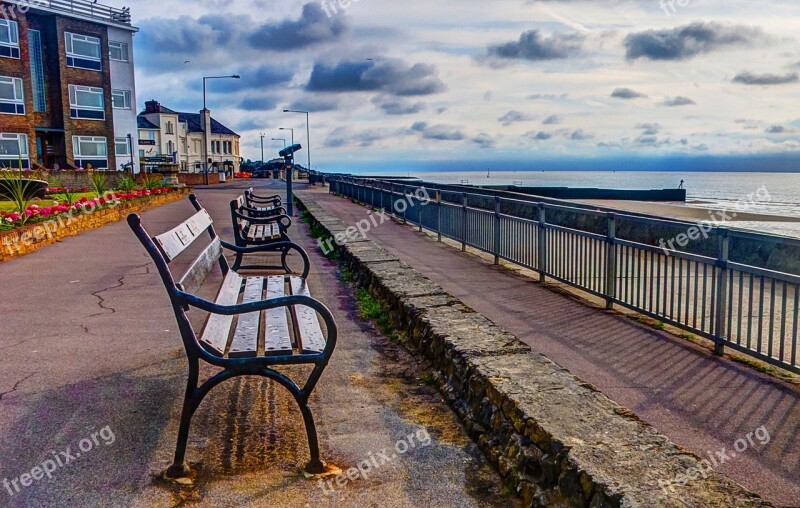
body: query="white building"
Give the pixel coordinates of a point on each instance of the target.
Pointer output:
(167, 133)
(123, 96)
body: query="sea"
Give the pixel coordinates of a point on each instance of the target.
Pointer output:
(704, 189)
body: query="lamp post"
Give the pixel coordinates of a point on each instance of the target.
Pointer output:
(308, 133)
(262, 149)
(280, 139)
(292, 131)
(205, 108)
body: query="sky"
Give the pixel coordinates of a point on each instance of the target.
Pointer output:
(425, 84)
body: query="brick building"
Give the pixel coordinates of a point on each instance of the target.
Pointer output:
(67, 88)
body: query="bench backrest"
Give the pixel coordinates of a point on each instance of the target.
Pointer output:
(167, 247)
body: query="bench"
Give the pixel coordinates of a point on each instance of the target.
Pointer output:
(263, 206)
(254, 325)
(250, 230)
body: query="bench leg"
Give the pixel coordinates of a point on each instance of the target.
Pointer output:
(179, 467)
(238, 262)
(315, 465)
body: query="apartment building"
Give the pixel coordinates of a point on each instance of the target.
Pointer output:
(67, 88)
(167, 133)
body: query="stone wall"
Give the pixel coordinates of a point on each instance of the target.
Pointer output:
(555, 440)
(27, 239)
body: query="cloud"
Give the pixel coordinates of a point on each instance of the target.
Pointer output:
(626, 93)
(256, 103)
(678, 101)
(650, 129)
(315, 104)
(775, 129)
(390, 75)
(341, 136)
(552, 120)
(396, 106)
(683, 43)
(313, 27)
(438, 132)
(547, 97)
(514, 116)
(538, 136)
(749, 78)
(483, 140)
(580, 134)
(533, 46)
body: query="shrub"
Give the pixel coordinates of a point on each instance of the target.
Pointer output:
(99, 182)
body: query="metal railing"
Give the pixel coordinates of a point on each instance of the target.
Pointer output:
(84, 8)
(749, 309)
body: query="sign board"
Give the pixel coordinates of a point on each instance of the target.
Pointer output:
(149, 142)
(162, 158)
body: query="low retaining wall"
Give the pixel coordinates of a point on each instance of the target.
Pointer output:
(27, 239)
(198, 179)
(555, 440)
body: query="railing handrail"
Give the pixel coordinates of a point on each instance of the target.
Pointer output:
(85, 8)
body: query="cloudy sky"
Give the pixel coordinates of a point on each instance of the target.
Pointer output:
(470, 80)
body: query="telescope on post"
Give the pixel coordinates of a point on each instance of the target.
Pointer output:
(288, 156)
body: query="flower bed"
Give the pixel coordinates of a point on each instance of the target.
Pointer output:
(49, 224)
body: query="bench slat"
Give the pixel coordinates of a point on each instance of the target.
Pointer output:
(245, 337)
(202, 266)
(310, 338)
(176, 240)
(277, 340)
(275, 231)
(218, 327)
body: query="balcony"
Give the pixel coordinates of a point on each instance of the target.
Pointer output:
(84, 9)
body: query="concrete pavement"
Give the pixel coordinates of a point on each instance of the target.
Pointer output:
(701, 402)
(93, 376)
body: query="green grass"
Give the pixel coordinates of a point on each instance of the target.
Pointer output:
(370, 308)
(345, 275)
(9, 206)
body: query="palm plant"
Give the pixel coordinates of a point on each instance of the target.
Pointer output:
(126, 183)
(68, 195)
(150, 183)
(99, 183)
(17, 189)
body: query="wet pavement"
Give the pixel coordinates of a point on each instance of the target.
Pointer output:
(93, 380)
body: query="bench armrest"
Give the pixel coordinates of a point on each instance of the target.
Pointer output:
(284, 220)
(273, 247)
(256, 212)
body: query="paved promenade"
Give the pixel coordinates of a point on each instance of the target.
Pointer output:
(89, 346)
(699, 401)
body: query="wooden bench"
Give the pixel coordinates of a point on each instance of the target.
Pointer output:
(263, 206)
(254, 325)
(253, 230)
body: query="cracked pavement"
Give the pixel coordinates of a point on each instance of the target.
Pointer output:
(89, 340)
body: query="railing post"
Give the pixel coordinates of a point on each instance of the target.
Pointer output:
(497, 230)
(464, 222)
(419, 207)
(723, 251)
(542, 243)
(383, 207)
(438, 216)
(611, 261)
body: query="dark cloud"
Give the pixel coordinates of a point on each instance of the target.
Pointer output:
(513, 117)
(483, 140)
(438, 132)
(391, 75)
(258, 78)
(776, 129)
(688, 41)
(552, 120)
(539, 136)
(341, 136)
(396, 106)
(580, 134)
(749, 78)
(626, 93)
(533, 46)
(256, 103)
(313, 27)
(650, 129)
(678, 101)
(315, 104)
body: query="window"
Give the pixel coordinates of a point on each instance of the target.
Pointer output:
(151, 135)
(83, 52)
(170, 129)
(37, 71)
(90, 151)
(87, 103)
(9, 38)
(217, 147)
(118, 51)
(121, 147)
(14, 147)
(12, 100)
(121, 99)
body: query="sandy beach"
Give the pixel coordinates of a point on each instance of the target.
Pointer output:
(684, 212)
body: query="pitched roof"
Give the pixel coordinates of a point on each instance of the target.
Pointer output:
(144, 123)
(194, 124)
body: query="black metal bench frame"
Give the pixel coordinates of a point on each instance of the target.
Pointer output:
(241, 214)
(182, 300)
(273, 204)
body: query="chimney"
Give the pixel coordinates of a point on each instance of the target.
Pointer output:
(152, 107)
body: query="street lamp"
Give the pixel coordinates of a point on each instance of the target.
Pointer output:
(287, 129)
(280, 139)
(308, 133)
(262, 149)
(205, 108)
